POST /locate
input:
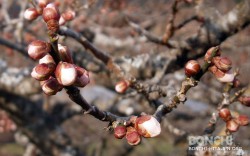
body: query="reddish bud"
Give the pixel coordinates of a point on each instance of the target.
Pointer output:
(65, 54)
(42, 3)
(47, 59)
(82, 78)
(38, 49)
(43, 71)
(225, 114)
(245, 100)
(120, 132)
(62, 21)
(65, 73)
(192, 67)
(68, 15)
(51, 12)
(243, 120)
(31, 14)
(222, 63)
(51, 86)
(147, 126)
(132, 136)
(222, 76)
(209, 54)
(232, 125)
(122, 86)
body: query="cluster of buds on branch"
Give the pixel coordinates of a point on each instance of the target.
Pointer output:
(54, 74)
(144, 126)
(233, 122)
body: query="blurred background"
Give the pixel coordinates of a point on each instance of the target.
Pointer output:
(26, 114)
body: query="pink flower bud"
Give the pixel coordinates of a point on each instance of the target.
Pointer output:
(209, 53)
(51, 86)
(132, 136)
(65, 73)
(245, 100)
(65, 54)
(192, 68)
(222, 63)
(82, 78)
(122, 86)
(68, 15)
(147, 126)
(42, 3)
(228, 77)
(47, 59)
(225, 114)
(120, 132)
(42, 71)
(38, 49)
(31, 14)
(243, 120)
(232, 125)
(51, 12)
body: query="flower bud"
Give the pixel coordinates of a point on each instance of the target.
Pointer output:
(192, 68)
(228, 77)
(42, 71)
(132, 136)
(51, 86)
(209, 53)
(62, 21)
(147, 126)
(68, 15)
(65, 54)
(42, 3)
(122, 86)
(120, 131)
(243, 120)
(225, 114)
(245, 100)
(82, 78)
(38, 49)
(47, 59)
(51, 12)
(222, 63)
(65, 73)
(31, 14)
(232, 125)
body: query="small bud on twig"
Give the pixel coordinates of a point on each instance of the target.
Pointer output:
(192, 68)
(225, 114)
(222, 63)
(243, 120)
(232, 125)
(122, 86)
(42, 71)
(51, 86)
(132, 136)
(120, 131)
(38, 49)
(65, 73)
(245, 100)
(82, 78)
(31, 14)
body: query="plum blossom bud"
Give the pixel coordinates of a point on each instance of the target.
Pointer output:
(245, 100)
(225, 114)
(42, 3)
(132, 136)
(222, 63)
(228, 77)
(243, 120)
(62, 21)
(65, 53)
(68, 15)
(122, 86)
(47, 59)
(232, 125)
(192, 68)
(65, 73)
(51, 12)
(51, 86)
(209, 53)
(120, 131)
(147, 126)
(31, 14)
(38, 49)
(82, 78)
(42, 71)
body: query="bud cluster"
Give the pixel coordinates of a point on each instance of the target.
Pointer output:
(220, 66)
(50, 14)
(54, 76)
(144, 126)
(233, 123)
